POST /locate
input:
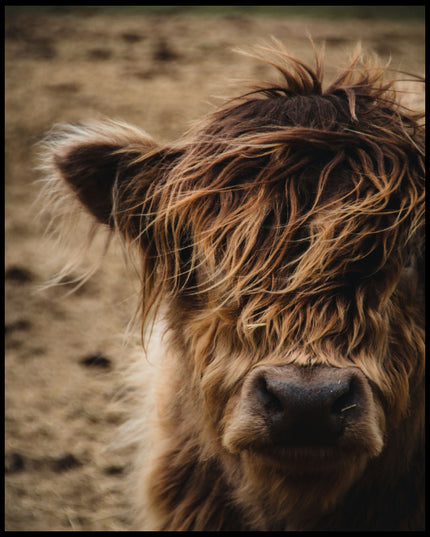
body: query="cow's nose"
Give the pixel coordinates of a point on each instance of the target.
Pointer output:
(306, 409)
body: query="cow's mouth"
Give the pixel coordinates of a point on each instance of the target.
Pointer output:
(307, 462)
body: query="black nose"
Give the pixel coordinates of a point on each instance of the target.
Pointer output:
(307, 407)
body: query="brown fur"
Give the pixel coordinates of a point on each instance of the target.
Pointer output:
(285, 229)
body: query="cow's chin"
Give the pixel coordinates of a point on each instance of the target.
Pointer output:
(296, 486)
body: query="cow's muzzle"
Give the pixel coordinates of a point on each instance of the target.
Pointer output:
(305, 407)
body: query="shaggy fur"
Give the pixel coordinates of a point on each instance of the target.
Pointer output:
(284, 233)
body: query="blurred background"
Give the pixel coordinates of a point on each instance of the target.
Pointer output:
(160, 67)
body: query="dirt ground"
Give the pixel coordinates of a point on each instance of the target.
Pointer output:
(63, 353)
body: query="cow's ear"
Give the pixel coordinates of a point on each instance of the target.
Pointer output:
(97, 159)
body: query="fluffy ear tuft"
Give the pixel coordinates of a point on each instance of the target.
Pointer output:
(91, 158)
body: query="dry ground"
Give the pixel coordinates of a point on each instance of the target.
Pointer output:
(63, 354)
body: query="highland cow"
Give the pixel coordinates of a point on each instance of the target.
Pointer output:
(281, 250)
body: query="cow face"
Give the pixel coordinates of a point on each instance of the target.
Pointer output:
(284, 238)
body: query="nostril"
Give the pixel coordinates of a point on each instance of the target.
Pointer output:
(268, 399)
(347, 401)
